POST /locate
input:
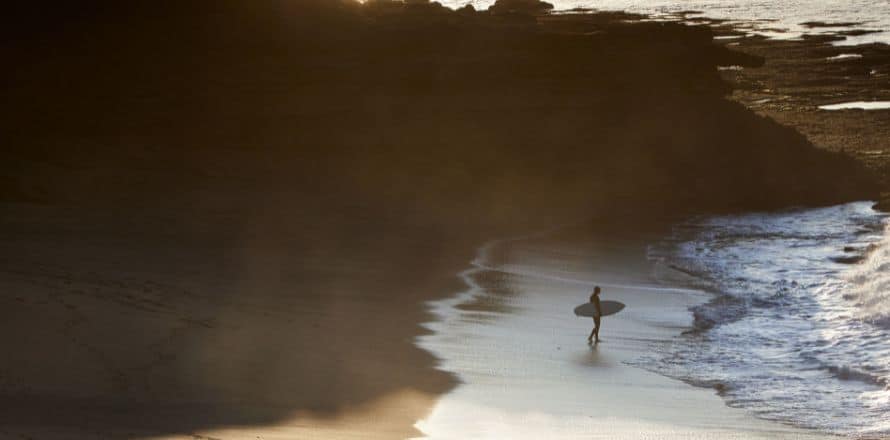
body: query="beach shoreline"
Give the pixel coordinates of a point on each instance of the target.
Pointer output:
(516, 383)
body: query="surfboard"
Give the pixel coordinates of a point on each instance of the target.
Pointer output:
(608, 307)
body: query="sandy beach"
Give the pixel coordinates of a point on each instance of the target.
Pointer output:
(524, 366)
(144, 329)
(513, 361)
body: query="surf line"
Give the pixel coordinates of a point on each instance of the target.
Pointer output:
(480, 264)
(442, 308)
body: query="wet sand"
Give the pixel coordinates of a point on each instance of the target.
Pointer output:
(524, 366)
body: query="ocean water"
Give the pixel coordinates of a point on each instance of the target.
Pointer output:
(776, 19)
(799, 328)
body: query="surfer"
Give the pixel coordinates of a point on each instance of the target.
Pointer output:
(595, 299)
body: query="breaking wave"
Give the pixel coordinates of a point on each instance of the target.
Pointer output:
(799, 326)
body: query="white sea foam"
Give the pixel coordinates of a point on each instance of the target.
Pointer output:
(845, 56)
(800, 324)
(858, 105)
(869, 285)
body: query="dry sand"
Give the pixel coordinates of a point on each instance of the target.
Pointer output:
(167, 325)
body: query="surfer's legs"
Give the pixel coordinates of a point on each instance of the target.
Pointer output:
(596, 330)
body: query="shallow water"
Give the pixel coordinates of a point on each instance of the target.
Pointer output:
(860, 105)
(777, 19)
(800, 328)
(844, 56)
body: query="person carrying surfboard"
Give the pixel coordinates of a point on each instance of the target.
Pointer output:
(596, 309)
(595, 299)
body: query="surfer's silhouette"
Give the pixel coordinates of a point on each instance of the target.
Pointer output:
(595, 299)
